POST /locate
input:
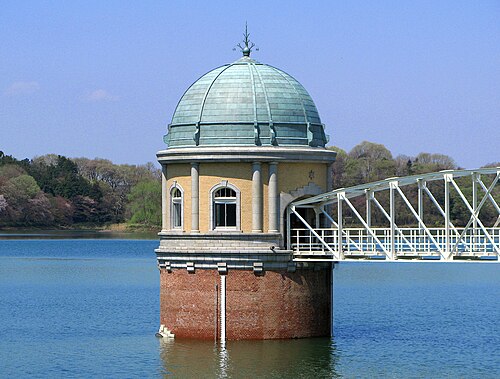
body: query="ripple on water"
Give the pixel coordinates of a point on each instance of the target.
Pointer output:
(89, 308)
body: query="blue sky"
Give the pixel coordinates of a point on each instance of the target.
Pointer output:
(102, 78)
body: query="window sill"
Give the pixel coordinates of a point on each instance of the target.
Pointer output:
(225, 230)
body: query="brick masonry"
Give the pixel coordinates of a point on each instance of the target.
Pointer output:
(276, 304)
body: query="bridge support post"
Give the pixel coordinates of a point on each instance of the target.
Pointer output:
(475, 178)
(340, 246)
(420, 195)
(368, 200)
(392, 186)
(447, 247)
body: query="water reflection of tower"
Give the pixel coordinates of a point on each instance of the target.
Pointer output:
(250, 359)
(245, 140)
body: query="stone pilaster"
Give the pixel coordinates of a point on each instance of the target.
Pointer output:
(164, 198)
(273, 198)
(195, 197)
(257, 197)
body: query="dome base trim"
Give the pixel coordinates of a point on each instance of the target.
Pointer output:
(246, 154)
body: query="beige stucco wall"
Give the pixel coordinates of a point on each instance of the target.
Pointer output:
(237, 174)
(182, 174)
(291, 177)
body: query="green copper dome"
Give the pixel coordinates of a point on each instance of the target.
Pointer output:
(246, 103)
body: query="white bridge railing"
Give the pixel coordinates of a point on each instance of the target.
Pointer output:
(473, 190)
(409, 243)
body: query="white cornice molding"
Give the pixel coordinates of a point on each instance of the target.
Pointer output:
(246, 154)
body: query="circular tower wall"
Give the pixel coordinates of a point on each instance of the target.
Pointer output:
(245, 140)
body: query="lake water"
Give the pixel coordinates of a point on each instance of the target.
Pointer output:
(89, 308)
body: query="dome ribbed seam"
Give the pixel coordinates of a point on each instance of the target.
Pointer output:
(208, 90)
(296, 91)
(197, 132)
(309, 132)
(254, 97)
(268, 106)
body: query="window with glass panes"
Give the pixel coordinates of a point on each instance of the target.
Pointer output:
(176, 208)
(224, 208)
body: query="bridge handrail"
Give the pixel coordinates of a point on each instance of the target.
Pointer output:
(448, 241)
(331, 197)
(359, 241)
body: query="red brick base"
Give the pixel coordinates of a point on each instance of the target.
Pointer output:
(274, 305)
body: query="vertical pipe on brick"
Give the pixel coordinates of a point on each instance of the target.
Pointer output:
(164, 198)
(273, 198)
(223, 309)
(332, 282)
(256, 197)
(195, 197)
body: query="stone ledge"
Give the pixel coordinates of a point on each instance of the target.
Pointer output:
(213, 235)
(222, 267)
(283, 255)
(220, 241)
(246, 154)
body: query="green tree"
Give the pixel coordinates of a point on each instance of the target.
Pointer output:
(115, 183)
(21, 188)
(370, 162)
(338, 169)
(26, 203)
(59, 176)
(145, 203)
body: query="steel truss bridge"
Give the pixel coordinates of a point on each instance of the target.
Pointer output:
(477, 239)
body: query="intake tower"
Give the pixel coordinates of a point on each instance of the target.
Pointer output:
(245, 140)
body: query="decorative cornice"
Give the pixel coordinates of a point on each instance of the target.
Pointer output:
(246, 154)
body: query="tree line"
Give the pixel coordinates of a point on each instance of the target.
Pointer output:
(369, 162)
(56, 191)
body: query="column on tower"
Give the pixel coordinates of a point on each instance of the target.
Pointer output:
(257, 197)
(195, 197)
(273, 198)
(164, 198)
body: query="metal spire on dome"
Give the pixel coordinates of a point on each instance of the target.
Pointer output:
(248, 45)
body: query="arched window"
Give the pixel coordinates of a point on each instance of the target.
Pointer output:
(176, 211)
(225, 207)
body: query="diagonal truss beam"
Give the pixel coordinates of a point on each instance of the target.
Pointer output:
(388, 217)
(306, 224)
(412, 210)
(351, 241)
(368, 229)
(439, 207)
(475, 212)
(448, 240)
(488, 191)
(475, 216)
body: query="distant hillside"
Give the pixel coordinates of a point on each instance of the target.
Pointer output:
(56, 191)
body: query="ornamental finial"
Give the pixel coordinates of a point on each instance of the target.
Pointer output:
(248, 45)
